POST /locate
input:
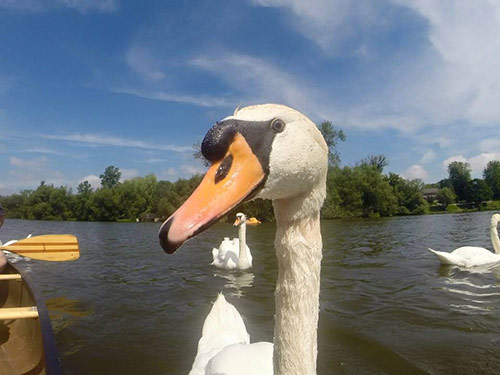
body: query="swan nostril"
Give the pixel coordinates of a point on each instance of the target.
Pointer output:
(223, 169)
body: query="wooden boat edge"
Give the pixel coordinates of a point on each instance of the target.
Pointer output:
(51, 353)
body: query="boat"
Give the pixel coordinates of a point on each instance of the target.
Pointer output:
(27, 344)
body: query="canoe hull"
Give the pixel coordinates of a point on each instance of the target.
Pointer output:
(27, 346)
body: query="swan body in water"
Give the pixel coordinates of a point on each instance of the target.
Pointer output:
(273, 152)
(235, 253)
(472, 256)
(224, 329)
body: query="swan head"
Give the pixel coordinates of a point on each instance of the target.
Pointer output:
(495, 219)
(268, 151)
(241, 218)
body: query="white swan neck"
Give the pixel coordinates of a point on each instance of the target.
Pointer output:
(494, 237)
(243, 256)
(298, 251)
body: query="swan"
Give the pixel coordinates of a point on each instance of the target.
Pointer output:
(235, 254)
(224, 329)
(472, 256)
(267, 151)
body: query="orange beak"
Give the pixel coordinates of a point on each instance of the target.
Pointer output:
(253, 221)
(218, 193)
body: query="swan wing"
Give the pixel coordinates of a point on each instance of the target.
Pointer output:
(449, 258)
(226, 256)
(476, 256)
(223, 326)
(467, 256)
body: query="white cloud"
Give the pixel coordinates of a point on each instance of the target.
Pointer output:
(83, 6)
(155, 160)
(168, 173)
(192, 169)
(327, 22)
(428, 157)
(415, 171)
(94, 181)
(127, 174)
(490, 145)
(27, 163)
(453, 158)
(454, 77)
(33, 176)
(477, 163)
(140, 59)
(199, 100)
(48, 151)
(30, 172)
(463, 82)
(259, 80)
(91, 5)
(185, 171)
(96, 139)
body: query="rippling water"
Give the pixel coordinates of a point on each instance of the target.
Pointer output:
(387, 306)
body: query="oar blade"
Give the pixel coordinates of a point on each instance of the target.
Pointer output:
(50, 247)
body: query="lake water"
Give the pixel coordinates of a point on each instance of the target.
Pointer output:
(387, 306)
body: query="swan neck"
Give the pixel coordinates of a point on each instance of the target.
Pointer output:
(298, 250)
(242, 235)
(494, 238)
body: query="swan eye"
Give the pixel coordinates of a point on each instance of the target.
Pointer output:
(224, 168)
(277, 125)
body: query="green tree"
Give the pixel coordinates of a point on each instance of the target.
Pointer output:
(379, 162)
(84, 188)
(331, 207)
(104, 205)
(49, 203)
(82, 201)
(137, 196)
(446, 196)
(408, 194)
(459, 176)
(332, 136)
(198, 155)
(478, 191)
(491, 175)
(111, 177)
(363, 191)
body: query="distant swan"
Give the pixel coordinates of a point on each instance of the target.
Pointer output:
(235, 253)
(472, 256)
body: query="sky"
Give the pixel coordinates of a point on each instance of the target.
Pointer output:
(85, 84)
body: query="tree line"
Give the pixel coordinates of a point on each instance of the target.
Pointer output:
(362, 190)
(460, 187)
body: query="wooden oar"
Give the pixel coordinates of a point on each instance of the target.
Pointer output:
(52, 247)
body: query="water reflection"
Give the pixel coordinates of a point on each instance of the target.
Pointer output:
(236, 281)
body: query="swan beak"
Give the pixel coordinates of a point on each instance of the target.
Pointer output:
(253, 221)
(228, 182)
(237, 222)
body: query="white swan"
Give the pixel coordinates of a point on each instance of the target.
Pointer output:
(472, 256)
(274, 152)
(224, 329)
(235, 253)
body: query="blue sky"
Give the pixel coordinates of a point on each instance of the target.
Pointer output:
(89, 83)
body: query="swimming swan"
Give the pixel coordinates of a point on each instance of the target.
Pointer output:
(235, 253)
(472, 256)
(273, 152)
